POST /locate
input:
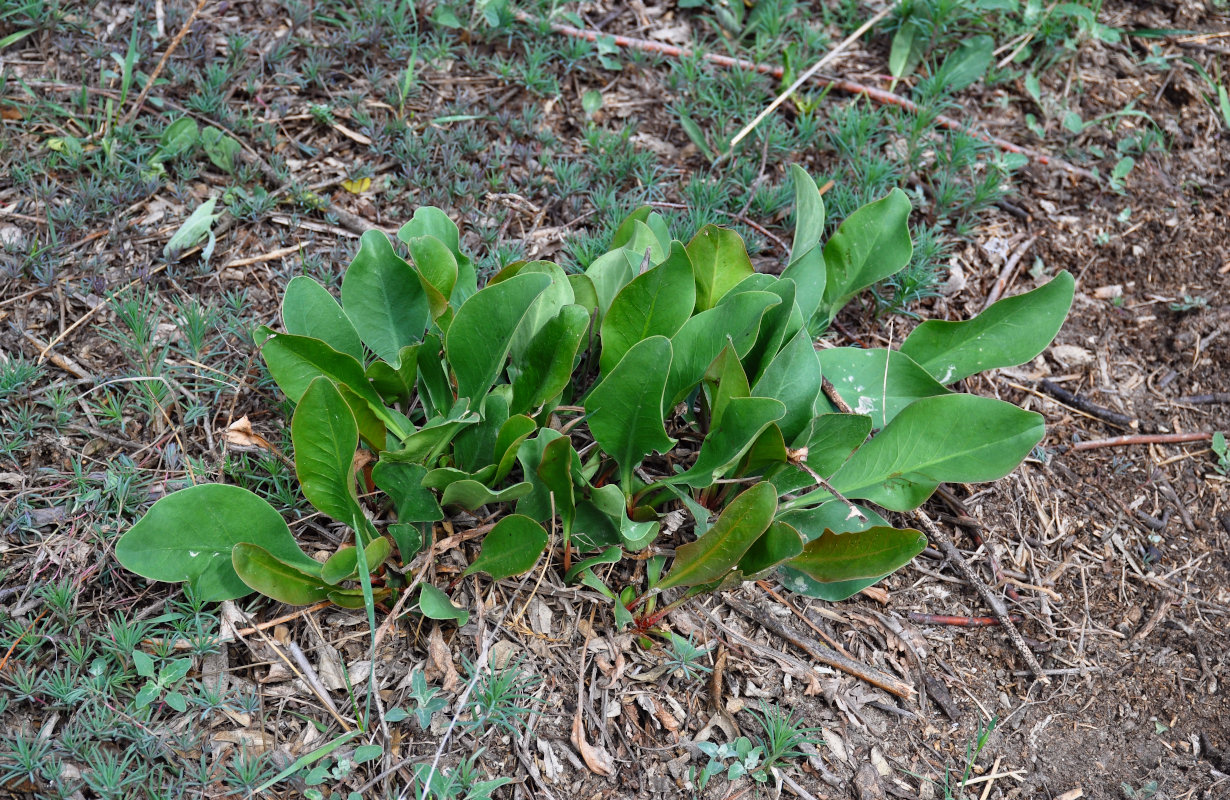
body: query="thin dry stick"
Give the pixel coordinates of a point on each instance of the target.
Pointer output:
(823, 653)
(1005, 275)
(849, 87)
(993, 600)
(806, 76)
(162, 62)
(1143, 438)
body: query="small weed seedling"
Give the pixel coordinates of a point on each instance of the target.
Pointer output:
(1222, 452)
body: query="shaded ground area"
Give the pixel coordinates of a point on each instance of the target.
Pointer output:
(1119, 556)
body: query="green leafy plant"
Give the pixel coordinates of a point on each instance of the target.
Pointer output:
(668, 379)
(161, 682)
(1222, 452)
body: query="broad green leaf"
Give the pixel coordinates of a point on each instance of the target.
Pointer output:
(957, 438)
(309, 310)
(1010, 332)
(195, 228)
(713, 555)
(512, 433)
(793, 377)
(431, 221)
(409, 539)
(584, 292)
(396, 385)
(383, 298)
(545, 307)
(636, 536)
(810, 278)
(702, 338)
(372, 429)
(967, 64)
(474, 447)
(437, 271)
(609, 273)
(623, 234)
(611, 555)
(555, 471)
(353, 598)
(472, 495)
(744, 420)
(188, 536)
(480, 336)
(877, 382)
(430, 440)
(434, 604)
(180, 136)
(546, 366)
(644, 240)
(537, 503)
(594, 528)
(719, 261)
(778, 326)
(272, 577)
(625, 410)
(909, 45)
(344, 564)
(656, 303)
(870, 245)
(871, 553)
(403, 483)
(221, 149)
(326, 437)
(808, 213)
(780, 543)
(296, 361)
(434, 388)
(730, 384)
(511, 548)
(829, 439)
(831, 515)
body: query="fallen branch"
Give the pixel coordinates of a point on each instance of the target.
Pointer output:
(1143, 438)
(993, 600)
(849, 87)
(1082, 404)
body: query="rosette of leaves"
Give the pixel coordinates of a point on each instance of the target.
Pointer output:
(670, 387)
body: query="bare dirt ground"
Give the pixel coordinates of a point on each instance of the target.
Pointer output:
(1119, 556)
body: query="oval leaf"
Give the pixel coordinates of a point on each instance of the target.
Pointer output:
(480, 336)
(273, 577)
(870, 553)
(1010, 332)
(326, 437)
(383, 298)
(713, 555)
(656, 303)
(546, 367)
(719, 261)
(472, 495)
(625, 410)
(189, 535)
(512, 548)
(434, 604)
(780, 543)
(309, 310)
(344, 564)
(877, 382)
(869, 245)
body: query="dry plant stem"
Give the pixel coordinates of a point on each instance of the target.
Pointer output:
(828, 487)
(958, 622)
(1005, 275)
(849, 87)
(1144, 438)
(997, 605)
(1082, 404)
(822, 653)
(1203, 399)
(806, 76)
(162, 62)
(830, 391)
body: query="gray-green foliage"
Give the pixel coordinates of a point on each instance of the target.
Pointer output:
(700, 390)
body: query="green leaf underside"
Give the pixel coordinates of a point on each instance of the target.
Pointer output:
(479, 339)
(951, 438)
(877, 382)
(472, 495)
(870, 553)
(1011, 332)
(829, 439)
(434, 604)
(812, 523)
(188, 536)
(625, 410)
(512, 547)
(272, 577)
(808, 213)
(793, 377)
(713, 555)
(326, 437)
(309, 310)
(384, 299)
